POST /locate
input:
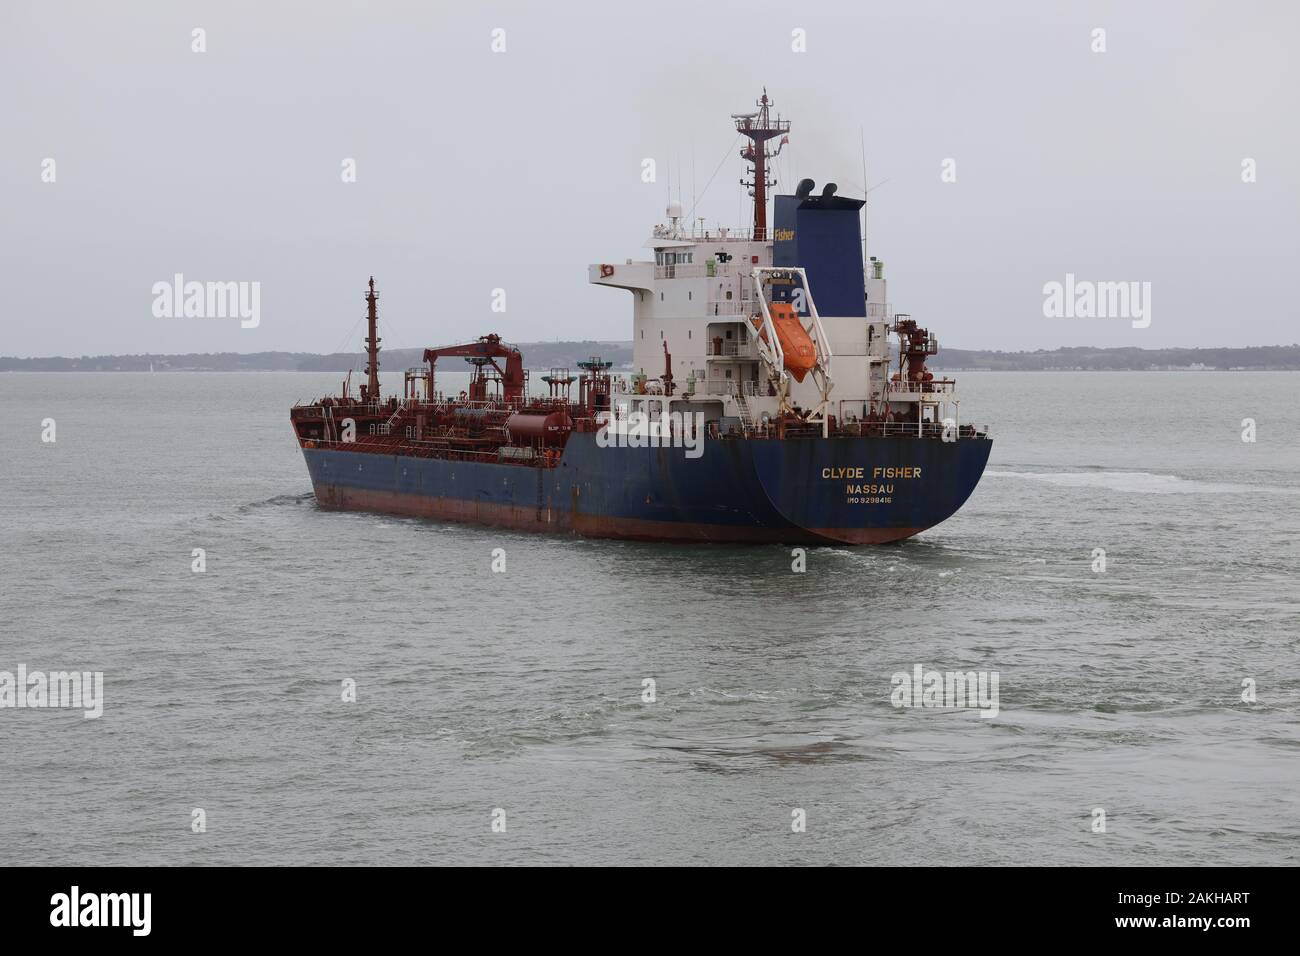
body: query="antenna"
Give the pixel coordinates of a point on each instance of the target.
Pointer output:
(668, 180)
(862, 142)
(694, 198)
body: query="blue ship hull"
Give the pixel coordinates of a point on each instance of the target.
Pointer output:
(839, 490)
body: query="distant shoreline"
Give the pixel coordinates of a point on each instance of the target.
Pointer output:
(546, 355)
(625, 370)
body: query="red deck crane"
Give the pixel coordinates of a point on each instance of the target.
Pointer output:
(480, 354)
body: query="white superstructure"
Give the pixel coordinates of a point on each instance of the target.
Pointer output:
(707, 313)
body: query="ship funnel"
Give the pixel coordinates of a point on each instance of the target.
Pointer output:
(822, 233)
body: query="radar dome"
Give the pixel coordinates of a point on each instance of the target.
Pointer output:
(674, 209)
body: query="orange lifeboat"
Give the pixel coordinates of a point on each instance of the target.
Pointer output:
(800, 353)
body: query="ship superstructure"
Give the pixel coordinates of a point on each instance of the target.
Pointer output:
(758, 327)
(775, 396)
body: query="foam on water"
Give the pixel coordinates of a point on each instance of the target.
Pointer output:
(1140, 482)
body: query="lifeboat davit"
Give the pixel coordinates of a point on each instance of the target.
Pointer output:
(796, 344)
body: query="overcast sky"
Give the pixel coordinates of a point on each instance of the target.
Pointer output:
(479, 170)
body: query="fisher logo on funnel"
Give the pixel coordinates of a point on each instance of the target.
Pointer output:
(638, 430)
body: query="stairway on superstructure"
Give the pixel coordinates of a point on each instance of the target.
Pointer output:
(746, 417)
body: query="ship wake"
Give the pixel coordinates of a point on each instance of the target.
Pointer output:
(1141, 482)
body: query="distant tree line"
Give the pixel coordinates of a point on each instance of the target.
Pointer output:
(1268, 357)
(544, 355)
(537, 355)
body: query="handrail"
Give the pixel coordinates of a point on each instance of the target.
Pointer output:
(734, 349)
(940, 386)
(696, 234)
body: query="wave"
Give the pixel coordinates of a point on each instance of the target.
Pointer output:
(278, 500)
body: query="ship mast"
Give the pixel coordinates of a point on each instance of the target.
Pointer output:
(371, 391)
(759, 128)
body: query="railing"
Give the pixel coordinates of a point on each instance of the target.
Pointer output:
(699, 234)
(733, 307)
(735, 349)
(941, 386)
(731, 386)
(439, 448)
(727, 234)
(696, 270)
(934, 430)
(689, 270)
(746, 416)
(432, 448)
(316, 410)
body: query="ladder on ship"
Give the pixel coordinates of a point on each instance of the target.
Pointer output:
(746, 416)
(387, 427)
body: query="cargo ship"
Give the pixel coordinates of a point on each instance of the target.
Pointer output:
(775, 396)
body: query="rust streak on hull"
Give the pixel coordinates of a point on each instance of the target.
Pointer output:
(340, 498)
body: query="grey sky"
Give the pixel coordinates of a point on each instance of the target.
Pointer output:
(478, 170)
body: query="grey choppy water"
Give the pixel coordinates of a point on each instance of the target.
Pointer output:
(522, 690)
